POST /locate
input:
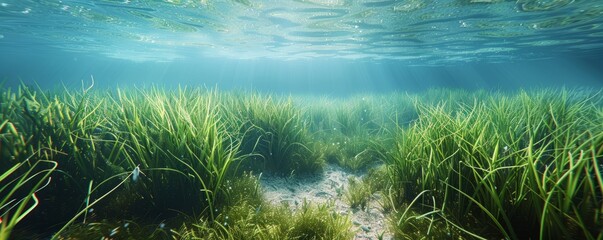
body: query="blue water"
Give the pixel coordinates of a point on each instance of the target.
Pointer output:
(307, 46)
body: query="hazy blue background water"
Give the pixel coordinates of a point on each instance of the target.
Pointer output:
(304, 46)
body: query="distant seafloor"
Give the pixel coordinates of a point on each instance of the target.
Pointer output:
(337, 77)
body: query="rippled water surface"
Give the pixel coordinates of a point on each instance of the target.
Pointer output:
(417, 31)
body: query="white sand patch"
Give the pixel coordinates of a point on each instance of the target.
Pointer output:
(331, 186)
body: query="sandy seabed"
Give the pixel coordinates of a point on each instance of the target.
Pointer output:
(329, 186)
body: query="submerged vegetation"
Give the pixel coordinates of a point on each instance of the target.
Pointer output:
(185, 163)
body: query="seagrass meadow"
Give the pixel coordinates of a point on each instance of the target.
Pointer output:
(301, 119)
(187, 163)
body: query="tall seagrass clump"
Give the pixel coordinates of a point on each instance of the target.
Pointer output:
(22, 172)
(172, 144)
(62, 127)
(274, 135)
(181, 146)
(527, 165)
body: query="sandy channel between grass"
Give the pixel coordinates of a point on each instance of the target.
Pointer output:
(330, 186)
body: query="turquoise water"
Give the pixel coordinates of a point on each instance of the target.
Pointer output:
(109, 97)
(276, 45)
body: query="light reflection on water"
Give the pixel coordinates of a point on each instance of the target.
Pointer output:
(418, 31)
